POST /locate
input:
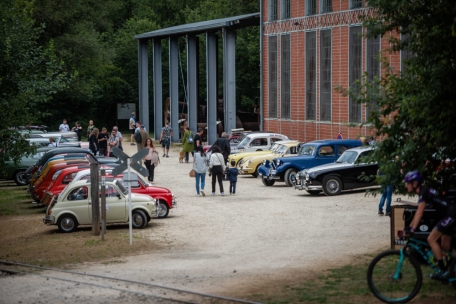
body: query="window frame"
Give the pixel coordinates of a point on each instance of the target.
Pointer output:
(311, 11)
(325, 101)
(355, 70)
(285, 9)
(324, 8)
(311, 69)
(273, 76)
(285, 76)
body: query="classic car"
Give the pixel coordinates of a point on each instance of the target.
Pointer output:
(257, 142)
(311, 154)
(252, 164)
(240, 157)
(73, 207)
(348, 172)
(16, 172)
(165, 198)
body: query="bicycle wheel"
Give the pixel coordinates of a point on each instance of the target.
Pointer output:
(388, 289)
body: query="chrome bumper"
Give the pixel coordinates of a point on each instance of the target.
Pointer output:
(48, 220)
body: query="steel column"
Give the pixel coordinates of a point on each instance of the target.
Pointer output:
(229, 80)
(192, 83)
(158, 94)
(174, 87)
(143, 75)
(211, 83)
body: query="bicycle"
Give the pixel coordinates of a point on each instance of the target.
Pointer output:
(395, 276)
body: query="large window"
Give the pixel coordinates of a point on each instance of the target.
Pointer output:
(311, 7)
(272, 76)
(405, 54)
(285, 76)
(355, 70)
(311, 75)
(325, 75)
(356, 4)
(326, 6)
(285, 9)
(273, 14)
(372, 65)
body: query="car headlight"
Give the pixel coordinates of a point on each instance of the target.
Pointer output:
(248, 162)
(278, 162)
(307, 177)
(264, 162)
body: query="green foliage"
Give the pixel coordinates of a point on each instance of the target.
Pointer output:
(416, 107)
(29, 75)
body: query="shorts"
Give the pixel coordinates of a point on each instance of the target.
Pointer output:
(132, 131)
(165, 143)
(446, 225)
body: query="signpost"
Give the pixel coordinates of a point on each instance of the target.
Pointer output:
(94, 198)
(103, 203)
(125, 163)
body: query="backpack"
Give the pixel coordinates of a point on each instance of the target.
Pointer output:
(190, 138)
(138, 137)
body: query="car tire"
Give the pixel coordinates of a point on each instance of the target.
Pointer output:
(290, 175)
(256, 173)
(268, 182)
(67, 223)
(313, 192)
(139, 219)
(19, 178)
(163, 213)
(332, 185)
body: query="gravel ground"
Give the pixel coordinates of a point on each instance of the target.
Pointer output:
(234, 246)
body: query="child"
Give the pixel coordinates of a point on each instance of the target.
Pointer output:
(231, 175)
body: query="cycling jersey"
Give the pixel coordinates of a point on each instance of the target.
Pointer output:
(432, 199)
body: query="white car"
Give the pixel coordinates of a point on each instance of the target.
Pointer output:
(257, 142)
(73, 206)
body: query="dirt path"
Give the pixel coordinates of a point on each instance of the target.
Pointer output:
(233, 245)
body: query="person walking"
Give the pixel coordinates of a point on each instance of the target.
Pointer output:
(103, 139)
(187, 141)
(93, 141)
(52, 142)
(113, 142)
(90, 128)
(64, 126)
(151, 160)
(387, 193)
(199, 165)
(77, 129)
(224, 146)
(165, 138)
(217, 167)
(197, 140)
(231, 175)
(132, 127)
(119, 137)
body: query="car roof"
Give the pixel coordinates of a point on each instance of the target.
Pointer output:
(335, 141)
(251, 135)
(361, 149)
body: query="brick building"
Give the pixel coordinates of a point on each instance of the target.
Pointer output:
(309, 47)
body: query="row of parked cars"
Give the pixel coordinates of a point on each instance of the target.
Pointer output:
(59, 178)
(328, 166)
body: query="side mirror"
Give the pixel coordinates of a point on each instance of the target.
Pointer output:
(118, 195)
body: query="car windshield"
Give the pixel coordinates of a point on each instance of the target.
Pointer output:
(245, 142)
(307, 150)
(347, 157)
(38, 155)
(281, 149)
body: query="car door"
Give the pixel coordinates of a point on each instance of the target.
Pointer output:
(116, 207)
(78, 202)
(259, 143)
(360, 174)
(325, 155)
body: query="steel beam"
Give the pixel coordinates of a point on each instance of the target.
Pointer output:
(211, 83)
(143, 75)
(192, 82)
(158, 93)
(174, 86)
(229, 80)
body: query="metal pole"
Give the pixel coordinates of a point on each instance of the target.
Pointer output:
(103, 203)
(129, 202)
(94, 198)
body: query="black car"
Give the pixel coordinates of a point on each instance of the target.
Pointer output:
(344, 174)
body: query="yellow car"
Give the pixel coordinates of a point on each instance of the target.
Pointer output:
(251, 164)
(238, 157)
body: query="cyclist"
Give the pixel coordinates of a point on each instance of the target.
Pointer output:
(443, 229)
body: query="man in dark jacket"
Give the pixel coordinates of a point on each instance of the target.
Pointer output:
(224, 145)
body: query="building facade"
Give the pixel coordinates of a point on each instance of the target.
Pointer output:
(309, 48)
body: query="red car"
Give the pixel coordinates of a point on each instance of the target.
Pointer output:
(163, 195)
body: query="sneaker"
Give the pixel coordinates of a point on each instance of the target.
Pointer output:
(202, 192)
(167, 155)
(380, 212)
(198, 195)
(223, 194)
(388, 214)
(441, 275)
(133, 144)
(164, 154)
(213, 193)
(234, 193)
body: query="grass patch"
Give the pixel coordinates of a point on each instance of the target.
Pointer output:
(348, 284)
(14, 200)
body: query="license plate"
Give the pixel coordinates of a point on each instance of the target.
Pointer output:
(272, 172)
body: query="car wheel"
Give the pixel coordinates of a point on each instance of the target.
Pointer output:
(20, 178)
(163, 209)
(67, 223)
(268, 182)
(313, 192)
(256, 173)
(139, 219)
(332, 185)
(290, 175)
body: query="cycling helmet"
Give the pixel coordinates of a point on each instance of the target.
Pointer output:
(413, 176)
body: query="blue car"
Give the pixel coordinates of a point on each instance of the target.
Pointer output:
(311, 154)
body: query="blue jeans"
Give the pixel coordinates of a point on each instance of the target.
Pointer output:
(202, 177)
(186, 156)
(386, 195)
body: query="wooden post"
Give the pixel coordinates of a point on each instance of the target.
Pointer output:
(95, 199)
(103, 203)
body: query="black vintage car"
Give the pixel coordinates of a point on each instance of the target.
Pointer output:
(344, 174)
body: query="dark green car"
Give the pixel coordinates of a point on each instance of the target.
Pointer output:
(16, 172)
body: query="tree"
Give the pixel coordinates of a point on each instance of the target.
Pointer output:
(29, 75)
(416, 108)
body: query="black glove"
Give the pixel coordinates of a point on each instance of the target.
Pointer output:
(407, 230)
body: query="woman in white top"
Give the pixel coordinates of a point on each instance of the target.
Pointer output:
(151, 159)
(217, 167)
(199, 165)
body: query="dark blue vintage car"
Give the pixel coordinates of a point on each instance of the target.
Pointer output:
(350, 171)
(311, 154)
